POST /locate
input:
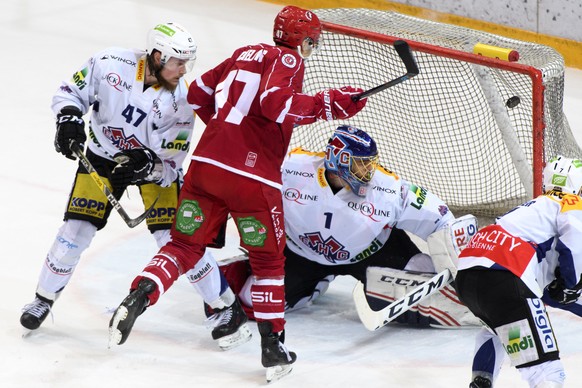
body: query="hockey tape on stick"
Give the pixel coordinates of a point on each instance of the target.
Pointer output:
(406, 56)
(131, 222)
(373, 320)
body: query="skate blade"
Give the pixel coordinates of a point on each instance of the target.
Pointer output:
(26, 332)
(114, 333)
(277, 372)
(241, 336)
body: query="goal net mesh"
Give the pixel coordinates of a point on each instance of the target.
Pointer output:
(438, 129)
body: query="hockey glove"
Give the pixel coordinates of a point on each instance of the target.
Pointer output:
(134, 166)
(337, 103)
(70, 126)
(557, 290)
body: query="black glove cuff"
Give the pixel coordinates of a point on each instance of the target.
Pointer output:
(70, 110)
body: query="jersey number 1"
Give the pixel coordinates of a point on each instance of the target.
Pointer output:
(328, 220)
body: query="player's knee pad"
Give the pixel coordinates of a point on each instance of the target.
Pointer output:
(549, 374)
(73, 237)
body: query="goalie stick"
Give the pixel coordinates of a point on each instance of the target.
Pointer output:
(373, 320)
(405, 54)
(131, 222)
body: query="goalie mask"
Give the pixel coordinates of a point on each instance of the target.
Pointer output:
(352, 154)
(563, 174)
(297, 28)
(172, 40)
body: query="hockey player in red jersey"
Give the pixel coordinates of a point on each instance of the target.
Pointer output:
(250, 103)
(531, 255)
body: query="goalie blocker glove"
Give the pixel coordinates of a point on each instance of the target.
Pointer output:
(70, 126)
(135, 166)
(557, 290)
(335, 104)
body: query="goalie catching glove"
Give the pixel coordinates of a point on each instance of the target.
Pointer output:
(335, 104)
(70, 126)
(136, 166)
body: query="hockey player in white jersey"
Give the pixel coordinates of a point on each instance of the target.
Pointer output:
(531, 255)
(345, 215)
(139, 134)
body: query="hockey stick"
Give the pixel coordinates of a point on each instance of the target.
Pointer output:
(373, 320)
(405, 54)
(131, 222)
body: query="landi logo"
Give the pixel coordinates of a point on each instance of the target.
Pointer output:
(517, 343)
(79, 78)
(181, 142)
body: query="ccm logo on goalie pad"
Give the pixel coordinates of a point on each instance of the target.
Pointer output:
(401, 281)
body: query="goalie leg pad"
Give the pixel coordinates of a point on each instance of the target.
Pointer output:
(442, 309)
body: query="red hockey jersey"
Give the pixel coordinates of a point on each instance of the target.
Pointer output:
(250, 103)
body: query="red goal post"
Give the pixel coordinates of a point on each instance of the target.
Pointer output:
(449, 128)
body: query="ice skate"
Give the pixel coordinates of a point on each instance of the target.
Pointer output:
(34, 314)
(230, 326)
(480, 382)
(132, 307)
(275, 356)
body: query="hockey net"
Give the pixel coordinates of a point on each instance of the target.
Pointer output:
(447, 129)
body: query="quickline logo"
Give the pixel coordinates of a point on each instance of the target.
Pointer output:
(518, 343)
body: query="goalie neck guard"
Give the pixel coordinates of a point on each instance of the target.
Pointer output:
(352, 154)
(563, 174)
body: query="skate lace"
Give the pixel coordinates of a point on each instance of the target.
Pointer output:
(219, 319)
(283, 349)
(37, 308)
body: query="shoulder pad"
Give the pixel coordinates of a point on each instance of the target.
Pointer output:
(302, 151)
(570, 202)
(385, 171)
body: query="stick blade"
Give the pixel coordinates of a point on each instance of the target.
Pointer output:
(133, 222)
(405, 54)
(371, 320)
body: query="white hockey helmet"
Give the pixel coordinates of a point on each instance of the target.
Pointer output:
(563, 174)
(172, 40)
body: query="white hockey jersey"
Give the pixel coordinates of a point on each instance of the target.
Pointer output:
(343, 228)
(124, 115)
(531, 240)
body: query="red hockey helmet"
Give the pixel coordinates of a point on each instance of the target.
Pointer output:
(297, 28)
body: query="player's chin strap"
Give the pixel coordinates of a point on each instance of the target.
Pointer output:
(444, 246)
